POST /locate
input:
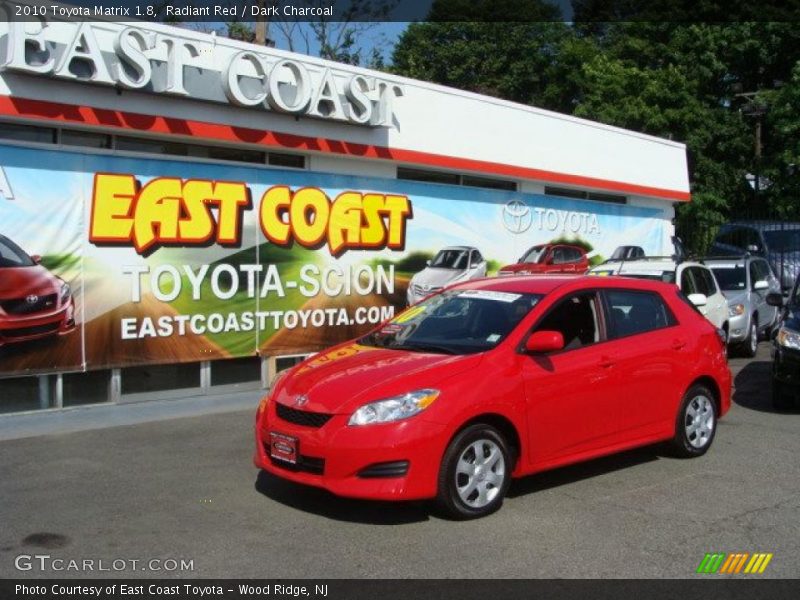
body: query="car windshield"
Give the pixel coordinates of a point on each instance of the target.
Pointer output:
(786, 240)
(731, 278)
(535, 254)
(454, 322)
(12, 255)
(450, 259)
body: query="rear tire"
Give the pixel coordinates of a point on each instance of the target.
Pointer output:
(475, 473)
(696, 423)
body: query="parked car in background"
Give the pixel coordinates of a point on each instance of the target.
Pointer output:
(34, 303)
(549, 258)
(776, 241)
(694, 279)
(786, 349)
(450, 265)
(496, 379)
(627, 253)
(745, 281)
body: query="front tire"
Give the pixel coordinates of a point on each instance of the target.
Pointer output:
(696, 423)
(750, 345)
(475, 473)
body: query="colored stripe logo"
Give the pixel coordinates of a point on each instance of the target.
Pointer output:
(734, 563)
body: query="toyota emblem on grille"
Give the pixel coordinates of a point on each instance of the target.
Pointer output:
(32, 299)
(301, 400)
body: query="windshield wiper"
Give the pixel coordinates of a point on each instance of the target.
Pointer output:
(425, 348)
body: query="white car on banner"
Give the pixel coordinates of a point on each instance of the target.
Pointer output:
(450, 265)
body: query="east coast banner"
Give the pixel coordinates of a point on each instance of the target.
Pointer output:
(111, 261)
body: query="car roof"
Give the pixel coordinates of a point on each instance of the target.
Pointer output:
(728, 260)
(459, 248)
(647, 264)
(544, 284)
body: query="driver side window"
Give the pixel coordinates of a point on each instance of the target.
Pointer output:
(575, 318)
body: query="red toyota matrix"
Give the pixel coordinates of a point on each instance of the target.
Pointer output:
(34, 303)
(495, 379)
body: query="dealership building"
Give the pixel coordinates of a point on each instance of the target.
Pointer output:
(150, 102)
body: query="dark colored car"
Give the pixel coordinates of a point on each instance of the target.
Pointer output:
(777, 241)
(549, 258)
(786, 350)
(34, 303)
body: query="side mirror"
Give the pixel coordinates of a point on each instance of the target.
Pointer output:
(775, 299)
(545, 341)
(698, 299)
(36, 258)
(761, 285)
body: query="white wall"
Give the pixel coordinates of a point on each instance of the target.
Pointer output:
(429, 119)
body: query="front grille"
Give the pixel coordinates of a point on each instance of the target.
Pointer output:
(22, 306)
(396, 468)
(421, 292)
(302, 417)
(304, 464)
(28, 331)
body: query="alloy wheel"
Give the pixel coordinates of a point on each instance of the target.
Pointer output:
(700, 421)
(753, 339)
(480, 472)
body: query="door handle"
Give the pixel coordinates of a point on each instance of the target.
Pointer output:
(605, 362)
(678, 344)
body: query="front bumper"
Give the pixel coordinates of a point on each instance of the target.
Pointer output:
(335, 456)
(738, 328)
(786, 366)
(26, 328)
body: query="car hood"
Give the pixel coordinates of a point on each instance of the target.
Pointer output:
(343, 378)
(18, 282)
(735, 296)
(528, 267)
(435, 277)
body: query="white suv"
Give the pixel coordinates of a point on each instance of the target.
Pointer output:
(694, 279)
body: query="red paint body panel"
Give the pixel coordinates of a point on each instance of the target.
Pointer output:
(564, 406)
(546, 266)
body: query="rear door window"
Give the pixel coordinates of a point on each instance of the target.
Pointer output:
(634, 311)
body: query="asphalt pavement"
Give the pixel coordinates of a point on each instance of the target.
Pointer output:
(185, 489)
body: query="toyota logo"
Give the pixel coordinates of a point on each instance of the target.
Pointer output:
(32, 299)
(517, 216)
(301, 400)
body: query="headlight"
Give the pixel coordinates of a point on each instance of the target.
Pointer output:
(788, 338)
(734, 310)
(65, 291)
(394, 409)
